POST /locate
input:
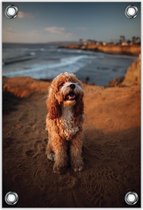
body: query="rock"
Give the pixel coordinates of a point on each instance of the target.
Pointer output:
(133, 75)
(116, 82)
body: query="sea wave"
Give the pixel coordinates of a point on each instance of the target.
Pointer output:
(50, 70)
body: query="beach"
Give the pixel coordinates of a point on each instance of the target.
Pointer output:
(111, 152)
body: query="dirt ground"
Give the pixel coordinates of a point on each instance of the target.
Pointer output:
(111, 148)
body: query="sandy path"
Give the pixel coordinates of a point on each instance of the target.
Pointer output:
(111, 151)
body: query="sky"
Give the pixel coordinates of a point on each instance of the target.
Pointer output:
(69, 21)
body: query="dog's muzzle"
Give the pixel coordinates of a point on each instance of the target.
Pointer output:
(70, 96)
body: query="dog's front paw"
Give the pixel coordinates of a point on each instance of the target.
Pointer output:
(50, 156)
(77, 167)
(58, 169)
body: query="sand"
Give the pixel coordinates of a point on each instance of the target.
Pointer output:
(111, 148)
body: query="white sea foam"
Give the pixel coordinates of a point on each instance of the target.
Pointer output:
(49, 70)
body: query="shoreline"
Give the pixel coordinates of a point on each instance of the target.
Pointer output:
(131, 78)
(98, 70)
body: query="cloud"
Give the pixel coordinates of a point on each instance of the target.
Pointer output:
(58, 30)
(55, 30)
(10, 35)
(36, 35)
(82, 28)
(24, 14)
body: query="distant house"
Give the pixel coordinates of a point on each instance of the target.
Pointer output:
(83, 47)
(104, 43)
(125, 43)
(98, 43)
(85, 43)
(90, 41)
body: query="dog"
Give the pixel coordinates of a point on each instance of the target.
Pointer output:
(64, 122)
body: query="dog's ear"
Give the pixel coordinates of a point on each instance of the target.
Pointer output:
(79, 108)
(54, 108)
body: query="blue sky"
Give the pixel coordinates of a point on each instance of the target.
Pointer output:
(47, 22)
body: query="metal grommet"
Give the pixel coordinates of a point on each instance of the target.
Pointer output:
(131, 198)
(131, 11)
(11, 11)
(11, 198)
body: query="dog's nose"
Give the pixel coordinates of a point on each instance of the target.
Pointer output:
(72, 86)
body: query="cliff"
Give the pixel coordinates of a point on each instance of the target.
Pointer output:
(133, 75)
(133, 49)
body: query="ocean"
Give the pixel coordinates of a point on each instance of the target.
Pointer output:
(45, 61)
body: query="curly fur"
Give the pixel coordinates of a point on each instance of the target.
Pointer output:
(64, 122)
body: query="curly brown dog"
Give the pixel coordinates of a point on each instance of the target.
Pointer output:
(64, 122)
